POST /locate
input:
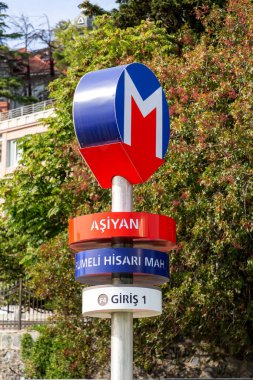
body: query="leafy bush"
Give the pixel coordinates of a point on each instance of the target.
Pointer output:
(71, 348)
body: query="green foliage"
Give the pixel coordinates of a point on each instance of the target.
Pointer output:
(9, 265)
(91, 9)
(206, 183)
(68, 349)
(114, 46)
(36, 354)
(172, 14)
(58, 271)
(26, 346)
(3, 25)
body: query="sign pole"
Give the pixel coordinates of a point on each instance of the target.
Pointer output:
(122, 194)
(122, 125)
(121, 323)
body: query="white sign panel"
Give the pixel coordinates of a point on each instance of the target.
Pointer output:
(101, 301)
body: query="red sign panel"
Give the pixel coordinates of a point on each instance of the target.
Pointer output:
(146, 230)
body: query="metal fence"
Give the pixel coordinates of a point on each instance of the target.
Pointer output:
(26, 110)
(20, 308)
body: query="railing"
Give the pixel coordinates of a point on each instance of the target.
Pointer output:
(19, 307)
(26, 110)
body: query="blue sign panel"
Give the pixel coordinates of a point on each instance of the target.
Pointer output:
(104, 261)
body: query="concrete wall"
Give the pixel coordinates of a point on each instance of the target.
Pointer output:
(11, 366)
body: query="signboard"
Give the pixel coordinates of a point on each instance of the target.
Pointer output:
(145, 229)
(121, 121)
(97, 265)
(101, 301)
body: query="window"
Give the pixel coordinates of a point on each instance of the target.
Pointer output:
(13, 154)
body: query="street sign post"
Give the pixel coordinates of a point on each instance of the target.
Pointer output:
(122, 125)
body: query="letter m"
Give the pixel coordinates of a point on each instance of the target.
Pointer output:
(154, 101)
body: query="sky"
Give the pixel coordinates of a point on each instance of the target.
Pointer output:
(56, 10)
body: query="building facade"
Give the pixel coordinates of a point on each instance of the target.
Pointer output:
(17, 123)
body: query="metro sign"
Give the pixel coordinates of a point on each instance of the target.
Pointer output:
(121, 121)
(145, 230)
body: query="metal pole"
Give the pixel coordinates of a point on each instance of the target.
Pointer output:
(122, 194)
(121, 323)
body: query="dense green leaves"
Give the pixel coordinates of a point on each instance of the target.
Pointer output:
(171, 14)
(90, 9)
(68, 349)
(115, 46)
(206, 184)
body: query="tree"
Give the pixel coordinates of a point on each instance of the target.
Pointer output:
(172, 14)
(8, 84)
(58, 51)
(3, 26)
(27, 35)
(27, 67)
(46, 35)
(91, 9)
(206, 183)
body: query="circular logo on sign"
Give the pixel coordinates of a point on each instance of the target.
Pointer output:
(121, 119)
(102, 299)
